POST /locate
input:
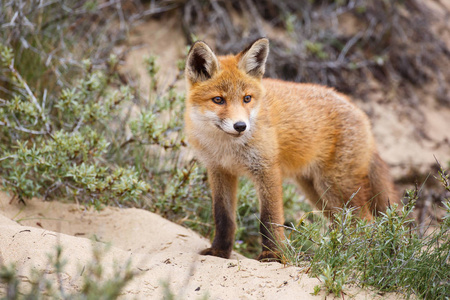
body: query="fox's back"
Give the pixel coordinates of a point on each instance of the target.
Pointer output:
(315, 124)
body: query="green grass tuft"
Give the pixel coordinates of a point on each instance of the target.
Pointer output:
(387, 254)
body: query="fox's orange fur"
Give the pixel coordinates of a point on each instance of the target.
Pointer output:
(307, 132)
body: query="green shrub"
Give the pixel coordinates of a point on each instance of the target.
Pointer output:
(61, 146)
(388, 253)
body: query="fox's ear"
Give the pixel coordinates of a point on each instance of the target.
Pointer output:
(253, 59)
(201, 63)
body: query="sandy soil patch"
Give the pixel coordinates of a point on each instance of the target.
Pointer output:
(160, 251)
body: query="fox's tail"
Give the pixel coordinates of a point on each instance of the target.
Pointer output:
(382, 186)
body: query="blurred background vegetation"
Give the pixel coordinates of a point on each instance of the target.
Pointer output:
(74, 126)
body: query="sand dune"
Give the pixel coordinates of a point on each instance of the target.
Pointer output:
(160, 252)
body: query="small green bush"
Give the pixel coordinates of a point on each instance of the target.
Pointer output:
(62, 146)
(388, 253)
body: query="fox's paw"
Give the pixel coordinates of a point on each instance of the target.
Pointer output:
(216, 252)
(269, 256)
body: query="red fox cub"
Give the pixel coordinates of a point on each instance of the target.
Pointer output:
(267, 129)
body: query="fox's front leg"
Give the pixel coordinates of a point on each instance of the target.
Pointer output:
(224, 189)
(268, 182)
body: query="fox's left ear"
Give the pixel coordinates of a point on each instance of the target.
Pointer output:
(253, 59)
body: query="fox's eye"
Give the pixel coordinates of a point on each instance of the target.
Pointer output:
(247, 99)
(218, 100)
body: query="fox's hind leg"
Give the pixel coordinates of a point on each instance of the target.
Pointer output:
(351, 192)
(382, 186)
(307, 187)
(328, 195)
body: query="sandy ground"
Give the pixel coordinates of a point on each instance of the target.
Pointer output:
(160, 251)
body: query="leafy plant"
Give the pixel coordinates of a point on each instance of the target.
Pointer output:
(388, 253)
(61, 147)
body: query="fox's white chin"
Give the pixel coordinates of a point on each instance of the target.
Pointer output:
(232, 133)
(236, 135)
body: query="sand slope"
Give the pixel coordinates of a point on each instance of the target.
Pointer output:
(160, 252)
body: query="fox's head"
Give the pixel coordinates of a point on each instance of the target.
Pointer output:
(225, 92)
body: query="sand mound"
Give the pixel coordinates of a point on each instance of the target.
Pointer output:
(160, 251)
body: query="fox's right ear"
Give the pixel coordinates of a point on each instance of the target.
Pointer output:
(201, 63)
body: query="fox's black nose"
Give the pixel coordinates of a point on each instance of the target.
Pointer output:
(240, 126)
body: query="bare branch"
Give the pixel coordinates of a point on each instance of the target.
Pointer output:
(30, 93)
(23, 129)
(6, 157)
